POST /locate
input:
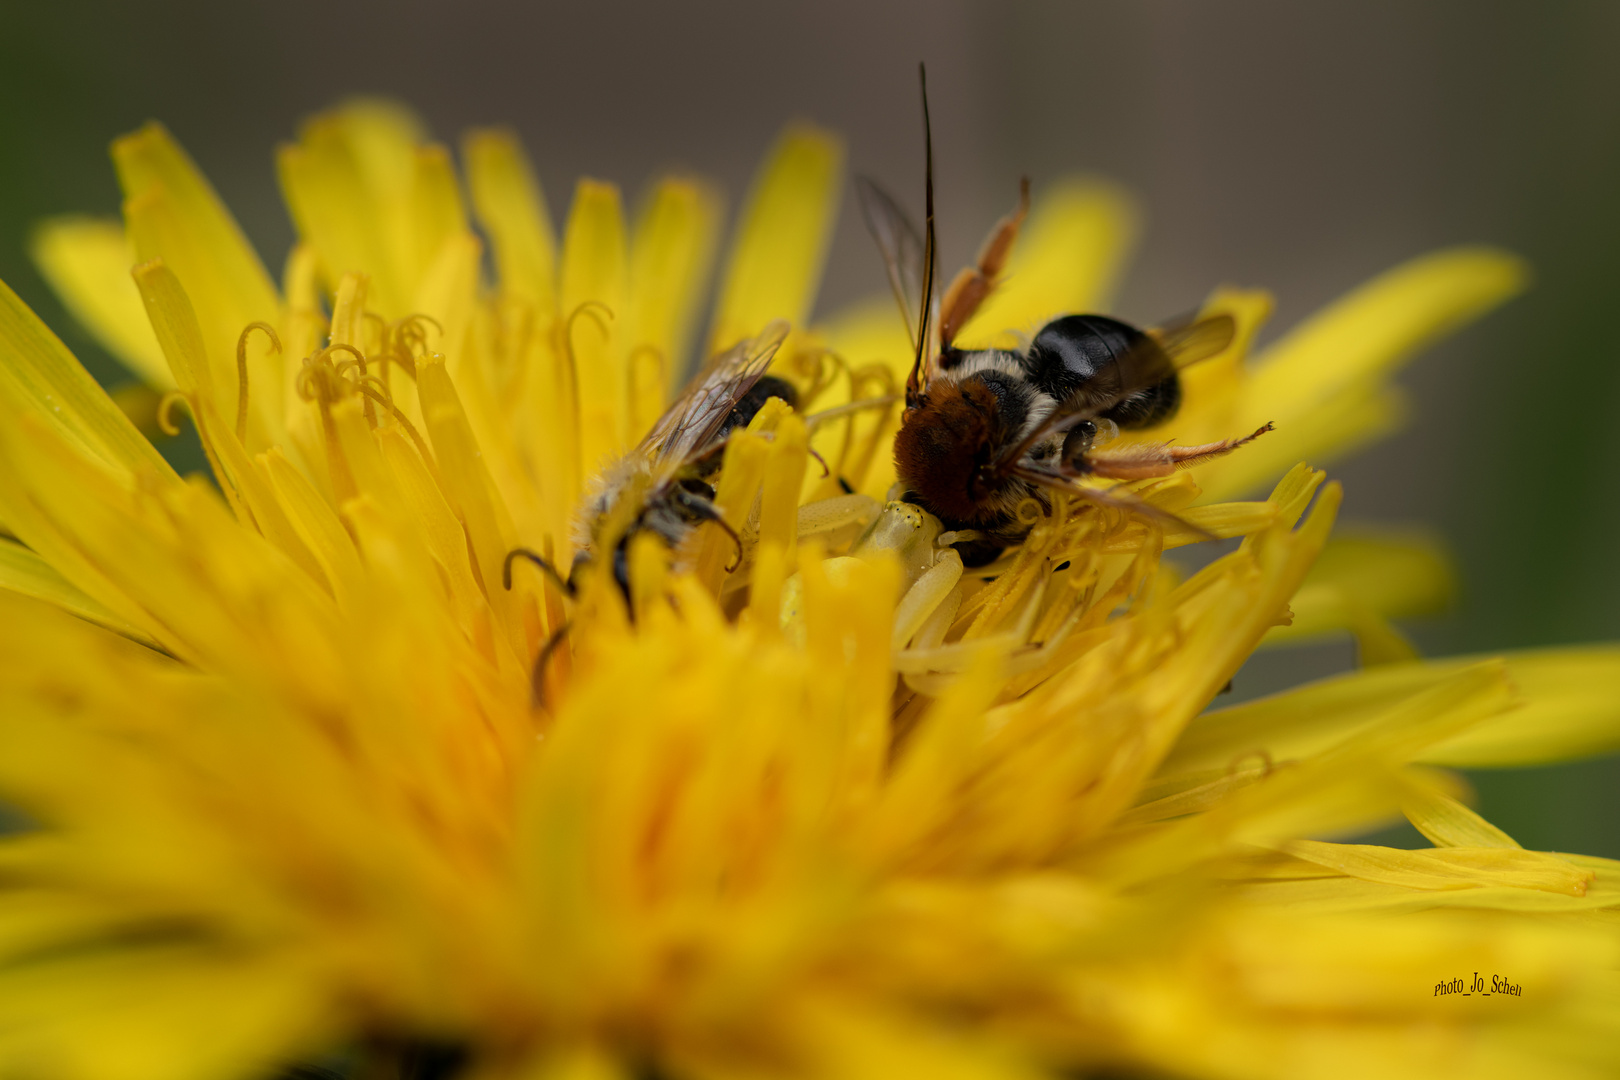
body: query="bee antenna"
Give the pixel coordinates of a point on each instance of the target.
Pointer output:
(537, 677)
(720, 520)
(538, 560)
(914, 380)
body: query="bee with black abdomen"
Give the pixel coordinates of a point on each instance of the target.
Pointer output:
(983, 430)
(665, 485)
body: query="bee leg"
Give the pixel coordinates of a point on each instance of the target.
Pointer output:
(1188, 455)
(705, 510)
(1077, 445)
(825, 471)
(975, 283)
(562, 583)
(537, 677)
(1147, 460)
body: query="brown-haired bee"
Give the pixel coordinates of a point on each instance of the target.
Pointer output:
(985, 429)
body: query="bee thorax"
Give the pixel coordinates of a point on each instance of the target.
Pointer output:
(945, 451)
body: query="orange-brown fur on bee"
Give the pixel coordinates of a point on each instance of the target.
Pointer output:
(944, 446)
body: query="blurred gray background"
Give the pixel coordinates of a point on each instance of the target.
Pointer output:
(1301, 147)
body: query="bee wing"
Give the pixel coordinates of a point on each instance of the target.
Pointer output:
(689, 425)
(1112, 500)
(1160, 355)
(901, 246)
(1187, 341)
(908, 259)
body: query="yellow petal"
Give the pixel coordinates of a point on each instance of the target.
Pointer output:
(785, 466)
(1210, 388)
(174, 322)
(250, 493)
(468, 488)
(852, 1042)
(306, 323)
(1379, 326)
(22, 571)
(1393, 574)
(1362, 581)
(447, 291)
(1447, 868)
(1078, 234)
(1317, 895)
(1448, 823)
(445, 536)
(1568, 710)
(577, 1063)
(370, 199)
(774, 268)
(1571, 711)
(1351, 784)
(595, 276)
(742, 473)
(671, 255)
(121, 547)
(1324, 433)
(120, 1013)
(65, 469)
(512, 211)
(869, 334)
(208, 246)
(38, 375)
(173, 213)
(87, 261)
(1220, 519)
(317, 526)
(1323, 383)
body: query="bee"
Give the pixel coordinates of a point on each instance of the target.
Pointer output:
(665, 486)
(985, 429)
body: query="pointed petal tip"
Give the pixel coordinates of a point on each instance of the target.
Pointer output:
(589, 187)
(1084, 191)
(132, 142)
(380, 115)
(809, 135)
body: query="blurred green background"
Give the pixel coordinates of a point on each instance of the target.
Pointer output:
(1302, 148)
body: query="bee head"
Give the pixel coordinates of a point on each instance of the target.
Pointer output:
(944, 449)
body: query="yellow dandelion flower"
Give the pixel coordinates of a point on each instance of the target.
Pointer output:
(839, 808)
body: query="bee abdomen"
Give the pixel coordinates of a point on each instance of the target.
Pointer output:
(1147, 407)
(1082, 355)
(748, 406)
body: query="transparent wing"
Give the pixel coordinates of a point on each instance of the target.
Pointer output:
(902, 248)
(1159, 355)
(1190, 340)
(689, 425)
(1114, 499)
